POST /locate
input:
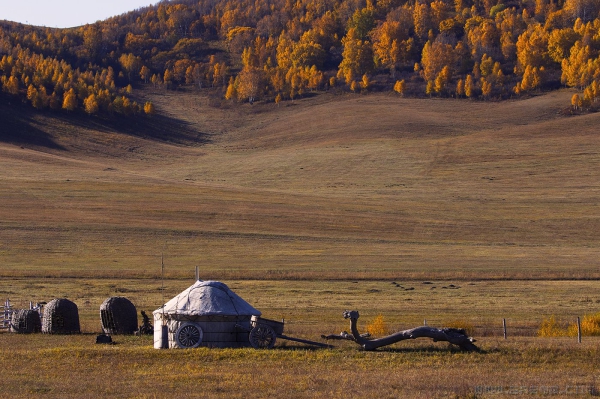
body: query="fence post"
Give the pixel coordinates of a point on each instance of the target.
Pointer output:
(504, 327)
(578, 329)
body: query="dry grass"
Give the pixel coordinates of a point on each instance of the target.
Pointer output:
(356, 187)
(54, 366)
(306, 210)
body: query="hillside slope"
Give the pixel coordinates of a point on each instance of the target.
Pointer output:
(332, 187)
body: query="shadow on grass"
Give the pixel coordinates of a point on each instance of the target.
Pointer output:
(18, 127)
(23, 125)
(156, 127)
(427, 349)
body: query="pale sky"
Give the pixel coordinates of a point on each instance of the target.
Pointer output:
(66, 13)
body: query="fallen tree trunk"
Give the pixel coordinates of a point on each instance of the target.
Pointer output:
(452, 335)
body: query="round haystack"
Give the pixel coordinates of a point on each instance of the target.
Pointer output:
(118, 316)
(25, 321)
(61, 316)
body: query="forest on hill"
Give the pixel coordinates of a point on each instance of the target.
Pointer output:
(276, 50)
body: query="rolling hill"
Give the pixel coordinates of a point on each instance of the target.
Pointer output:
(335, 186)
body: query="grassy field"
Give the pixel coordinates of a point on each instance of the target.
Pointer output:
(352, 187)
(306, 209)
(55, 366)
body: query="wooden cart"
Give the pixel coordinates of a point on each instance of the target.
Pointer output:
(264, 333)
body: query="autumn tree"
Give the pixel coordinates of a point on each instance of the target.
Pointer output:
(357, 57)
(365, 82)
(70, 100)
(130, 64)
(422, 21)
(532, 48)
(145, 73)
(231, 92)
(400, 86)
(469, 87)
(391, 45)
(580, 68)
(460, 88)
(34, 97)
(149, 108)
(560, 41)
(92, 40)
(11, 86)
(442, 80)
(586, 10)
(168, 77)
(91, 104)
(435, 57)
(576, 102)
(248, 84)
(362, 21)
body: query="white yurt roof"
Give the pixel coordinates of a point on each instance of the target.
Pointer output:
(206, 298)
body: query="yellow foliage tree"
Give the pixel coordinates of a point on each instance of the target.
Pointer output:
(12, 86)
(357, 57)
(576, 101)
(145, 73)
(149, 108)
(469, 87)
(442, 80)
(230, 93)
(400, 86)
(249, 84)
(70, 100)
(532, 48)
(365, 83)
(486, 88)
(435, 56)
(90, 104)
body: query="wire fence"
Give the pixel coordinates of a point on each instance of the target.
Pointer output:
(5, 315)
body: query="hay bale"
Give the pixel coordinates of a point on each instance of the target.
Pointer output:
(118, 316)
(25, 321)
(61, 316)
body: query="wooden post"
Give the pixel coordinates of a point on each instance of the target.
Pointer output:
(504, 327)
(578, 329)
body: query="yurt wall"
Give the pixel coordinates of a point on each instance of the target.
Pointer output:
(216, 331)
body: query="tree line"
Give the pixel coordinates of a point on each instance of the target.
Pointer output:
(278, 50)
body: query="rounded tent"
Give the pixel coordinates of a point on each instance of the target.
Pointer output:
(118, 316)
(207, 313)
(25, 321)
(61, 316)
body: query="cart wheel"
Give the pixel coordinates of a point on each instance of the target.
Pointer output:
(189, 335)
(262, 337)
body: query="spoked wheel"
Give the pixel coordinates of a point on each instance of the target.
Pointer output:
(189, 335)
(262, 337)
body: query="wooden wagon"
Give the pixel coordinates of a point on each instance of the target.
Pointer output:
(264, 332)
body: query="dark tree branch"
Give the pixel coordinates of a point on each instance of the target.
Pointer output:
(452, 335)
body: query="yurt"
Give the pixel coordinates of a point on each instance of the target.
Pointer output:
(118, 316)
(206, 314)
(61, 316)
(25, 321)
